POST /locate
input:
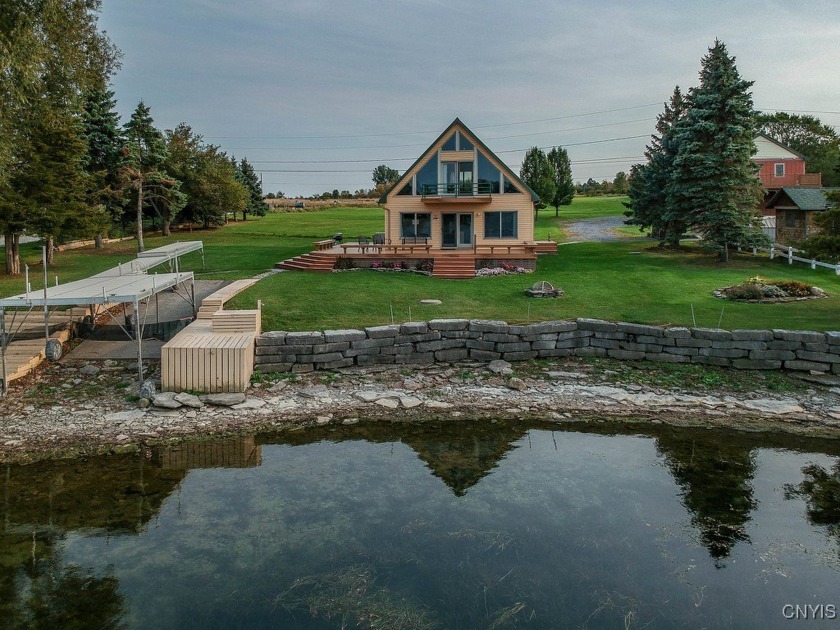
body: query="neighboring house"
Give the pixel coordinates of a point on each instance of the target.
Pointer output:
(456, 208)
(794, 208)
(780, 166)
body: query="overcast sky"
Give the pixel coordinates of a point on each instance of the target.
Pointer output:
(344, 85)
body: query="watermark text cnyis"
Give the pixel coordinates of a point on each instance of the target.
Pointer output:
(809, 612)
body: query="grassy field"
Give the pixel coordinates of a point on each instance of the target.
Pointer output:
(623, 280)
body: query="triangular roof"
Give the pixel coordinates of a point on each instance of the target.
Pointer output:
(808, 199)
(780, 145)
(477, 142)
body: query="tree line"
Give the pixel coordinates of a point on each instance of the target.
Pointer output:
(68, 168)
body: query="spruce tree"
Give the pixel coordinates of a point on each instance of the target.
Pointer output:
(650, 206)
(247, 176)
(714, 186)
(564, 186)
(104, 160)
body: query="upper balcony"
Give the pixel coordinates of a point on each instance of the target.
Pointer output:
(463, 192)
(809, 180)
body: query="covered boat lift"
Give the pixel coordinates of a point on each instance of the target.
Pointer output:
(128, 283)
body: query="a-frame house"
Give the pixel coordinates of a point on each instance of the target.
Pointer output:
(458, 207)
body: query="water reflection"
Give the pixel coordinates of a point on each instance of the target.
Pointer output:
(497, 524)
(821, 491)
(102, 496)
(715, 477)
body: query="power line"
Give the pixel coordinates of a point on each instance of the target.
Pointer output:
(417, 133)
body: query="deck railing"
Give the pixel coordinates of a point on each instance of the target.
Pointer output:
(472, 189)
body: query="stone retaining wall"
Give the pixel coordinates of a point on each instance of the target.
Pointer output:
(447, 340)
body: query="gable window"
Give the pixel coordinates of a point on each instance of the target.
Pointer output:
(427, 177)
(500, 224)
(489, 176)
(779, 169)
(406, 190)
(449, 145)
(509, 187)
(415, 224)
(463, 143)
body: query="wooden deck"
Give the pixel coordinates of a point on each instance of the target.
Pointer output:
(215, 353)
(448, 263)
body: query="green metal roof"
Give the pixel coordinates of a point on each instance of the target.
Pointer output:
(476, 141)
(807, 199)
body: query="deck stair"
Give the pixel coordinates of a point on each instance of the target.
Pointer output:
(313, 261)
(454, 267)
(216, 301)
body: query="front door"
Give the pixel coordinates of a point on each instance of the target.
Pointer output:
(457, 229)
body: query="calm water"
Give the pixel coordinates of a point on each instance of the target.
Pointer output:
(450, 526)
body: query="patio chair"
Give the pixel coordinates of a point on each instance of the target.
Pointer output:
(379, 238)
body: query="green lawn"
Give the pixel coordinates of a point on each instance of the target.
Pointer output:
(627, 281)
(624, 280)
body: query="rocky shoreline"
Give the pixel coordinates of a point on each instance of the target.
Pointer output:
(72, 409)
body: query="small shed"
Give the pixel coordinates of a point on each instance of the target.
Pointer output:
(795, 208)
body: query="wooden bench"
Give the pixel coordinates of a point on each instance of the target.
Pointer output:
(327, 243)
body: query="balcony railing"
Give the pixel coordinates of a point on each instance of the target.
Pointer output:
(473, 189)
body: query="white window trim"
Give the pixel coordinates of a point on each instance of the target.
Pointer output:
(776, 169)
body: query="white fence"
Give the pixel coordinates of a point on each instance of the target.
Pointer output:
(785, 251)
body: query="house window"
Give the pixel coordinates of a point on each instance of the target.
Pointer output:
(406, 190)
(790, 219)
(509, 187)
(416, 224)
(500, 224)
(779, 169)
(463, 143)
(427, 177)
(489, 176)
(449, 145)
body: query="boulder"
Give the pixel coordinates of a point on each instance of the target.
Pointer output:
(500, 367)
(224, 400)
(148, 389)
(188, 400)
(89, 370)
(166, 400)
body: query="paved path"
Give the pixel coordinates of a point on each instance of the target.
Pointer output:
(600, 229)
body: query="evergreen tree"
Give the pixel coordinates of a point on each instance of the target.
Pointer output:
(144, 154)
(714, 183)
(538, 173)
(104, 160)
(247, 176)
(565, 187)
(650, 206)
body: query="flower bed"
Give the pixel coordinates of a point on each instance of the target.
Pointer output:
(763, 291)
(504, 269)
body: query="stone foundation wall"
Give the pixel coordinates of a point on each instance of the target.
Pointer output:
(447, 340)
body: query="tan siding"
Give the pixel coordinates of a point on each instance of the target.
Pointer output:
(521, 202)
(457, 156)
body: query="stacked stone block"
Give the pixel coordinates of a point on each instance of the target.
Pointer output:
(449, 340)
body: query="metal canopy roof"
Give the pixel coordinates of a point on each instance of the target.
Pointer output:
(127, 282)
(99, 290)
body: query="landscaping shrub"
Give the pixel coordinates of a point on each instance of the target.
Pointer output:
(427, 265)
(343, 262)
(744, 292)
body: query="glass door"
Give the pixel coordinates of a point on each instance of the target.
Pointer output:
(450, 178)
(457, 230)
(465, 178)
(465, 230)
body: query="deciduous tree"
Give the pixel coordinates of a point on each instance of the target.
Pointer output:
(564, 185)
(538, 172)
(384, 175)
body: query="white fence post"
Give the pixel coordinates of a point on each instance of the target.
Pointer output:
(837, 269)
(772, 251)
(813, 263)
(790, 255)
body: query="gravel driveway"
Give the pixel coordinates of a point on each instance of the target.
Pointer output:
(594, 229)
